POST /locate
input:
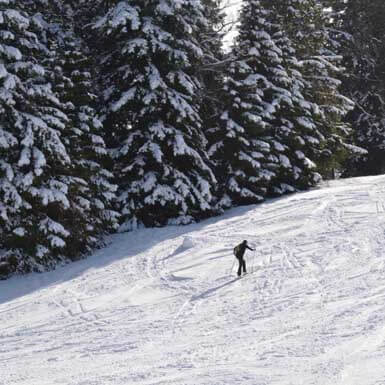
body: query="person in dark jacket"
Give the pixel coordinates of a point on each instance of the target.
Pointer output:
(241, 249)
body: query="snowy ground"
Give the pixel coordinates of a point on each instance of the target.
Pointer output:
(159, 306)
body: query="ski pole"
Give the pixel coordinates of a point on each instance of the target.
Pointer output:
(232, 266)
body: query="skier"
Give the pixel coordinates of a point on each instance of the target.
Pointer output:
(239, 252)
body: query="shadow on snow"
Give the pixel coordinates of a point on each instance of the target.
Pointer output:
(120, 246)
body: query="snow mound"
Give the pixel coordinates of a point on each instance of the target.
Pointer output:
(187, 243)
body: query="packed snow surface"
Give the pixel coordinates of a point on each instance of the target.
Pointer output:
(160, 306)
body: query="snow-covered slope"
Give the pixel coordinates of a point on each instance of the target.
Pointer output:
(159, 306)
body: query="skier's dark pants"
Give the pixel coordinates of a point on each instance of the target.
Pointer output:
(242, 265)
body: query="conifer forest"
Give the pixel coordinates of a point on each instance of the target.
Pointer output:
(122, 114)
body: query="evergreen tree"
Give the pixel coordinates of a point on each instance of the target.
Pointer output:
(306, 22)
(93, 195)
(358, 34)
(50, 210)
(151, 58)
(241, 145)
(213, 63)
(33, 188)
(212, 73)
(295, 123)
(269, 133)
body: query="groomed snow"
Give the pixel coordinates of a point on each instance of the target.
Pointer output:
(158, 306)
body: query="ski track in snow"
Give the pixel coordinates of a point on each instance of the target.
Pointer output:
(159, 306)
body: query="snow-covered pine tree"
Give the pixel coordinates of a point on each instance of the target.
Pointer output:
(241, 145)
(47, 193)
(151, 58)
(268, 124)
(359, 30)
(212, 72)
(306, 23)
(33, 158)
(294, 120)
(92, 194)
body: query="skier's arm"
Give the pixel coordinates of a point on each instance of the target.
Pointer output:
(250, 248)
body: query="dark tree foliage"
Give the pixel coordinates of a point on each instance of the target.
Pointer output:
(359, 33)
